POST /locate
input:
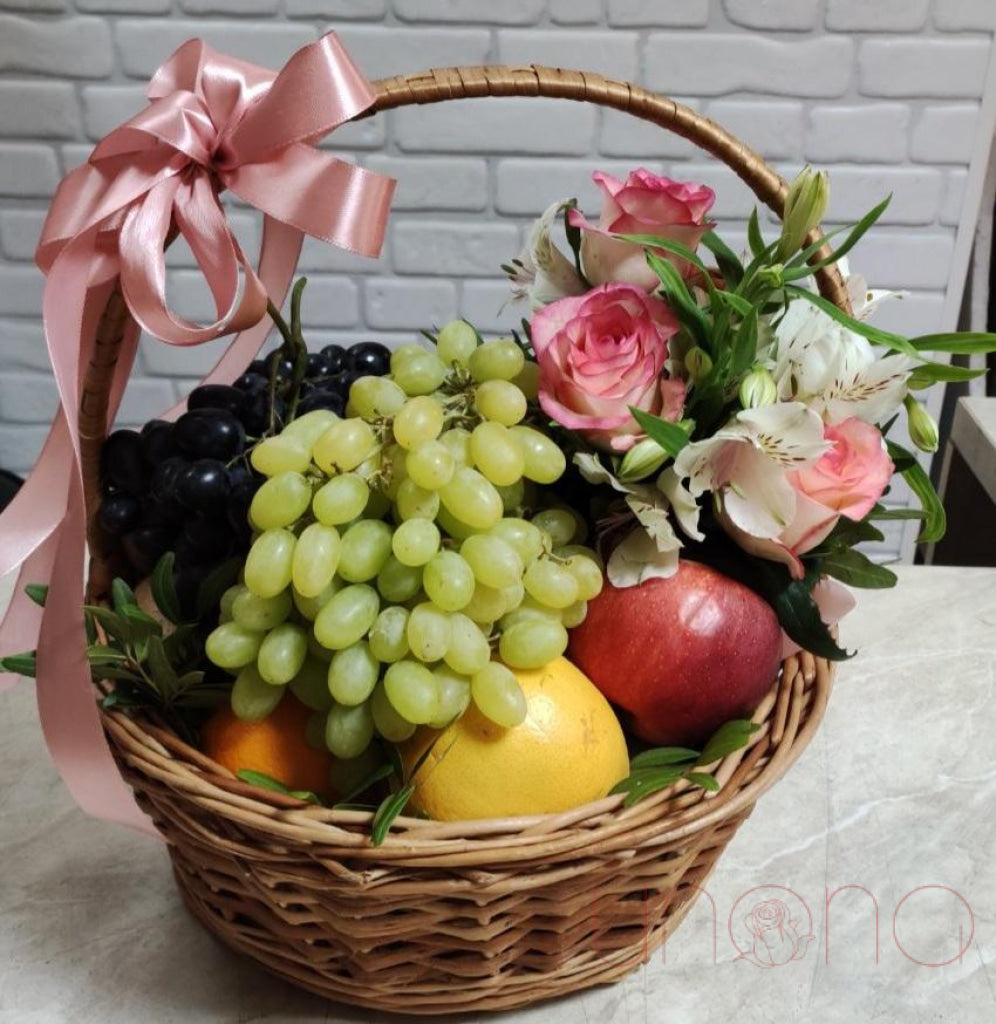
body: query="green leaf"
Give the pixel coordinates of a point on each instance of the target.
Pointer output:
(38, 592)
(897, 513)
(661, 756)
(163, 589)
(730, 736)
(89, 627)
(847, 533)
(681, 299)
(705, 780)
(114, 625)
(381, 772)
(857, 232)
(797, 611)
(642, 784)
(264, 781)
(215, 584)
(24, 664)
(744, 344)
(136, 617)
(935, 521)
(754, 237)
(677, 249)
(873, 334)
(932, 373)
(98, 654)
(726, 259)
(857, 570)
(959, 343)
(122, 596)
(672, 437)
(736, 302)
(389, 810)
(161, 670)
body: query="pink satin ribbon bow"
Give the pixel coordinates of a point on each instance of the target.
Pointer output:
(213, 123)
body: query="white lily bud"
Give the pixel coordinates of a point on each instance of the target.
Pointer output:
(758, 388)
(921, 425)
(698, 363)
(644, 458)
(805, 205)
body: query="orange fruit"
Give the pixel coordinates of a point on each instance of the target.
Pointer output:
(275, 746)
(569, 750)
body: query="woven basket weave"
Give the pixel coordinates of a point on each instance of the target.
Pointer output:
(466, 916)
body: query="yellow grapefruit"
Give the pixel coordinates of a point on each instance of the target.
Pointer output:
(569, 750)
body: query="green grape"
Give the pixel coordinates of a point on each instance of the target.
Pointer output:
(376, 397)
(544, 461)
(454, 696)
(316, 557)
(395, 472)
(344, 446)
(513, 595)
(282, 653)
(419, 419)
(397, 582)
(415, 541)
(498, 696)
(387, 721)
(551, 584)
(414, 502)
(411, 688)
(448, 581)
(472, 499)
(281, 454)
(527, 380)
(353, 674)
(269, 563)
(252, 697)
(281, 501)
(349, 730)
(366, 546)
(347, 617)
(584, 567)
(261, 613)
(341, 500)
(457, 441)
(310, 427)
(402, 354)
(388, 636)
(231, 646)
(529, 611)
(559, 523)
(468, 651)
(309, 607)
(574, 614)
(369, 467)
(227, 601)
(420, 374)
(501, 359)
(455, 343)
(501, 401)
(455, 528)
(347, 774)
(428, 633)
(497, 454)
(430, 465)
(486, 605)
(311, 685)
(521, 535)
(567, 550)
(513, 496)
(532, 644)
(494, 561)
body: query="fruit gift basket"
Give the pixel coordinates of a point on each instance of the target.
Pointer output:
(447, 673)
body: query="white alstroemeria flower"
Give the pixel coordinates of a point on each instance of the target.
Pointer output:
(747, 461)
(542, 273)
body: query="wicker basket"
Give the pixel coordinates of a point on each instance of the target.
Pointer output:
(467, 916)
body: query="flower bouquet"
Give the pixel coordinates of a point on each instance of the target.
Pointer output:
(409, 653)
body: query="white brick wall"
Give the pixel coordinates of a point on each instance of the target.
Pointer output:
(885, 93)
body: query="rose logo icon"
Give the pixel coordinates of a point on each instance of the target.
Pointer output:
(773, 935)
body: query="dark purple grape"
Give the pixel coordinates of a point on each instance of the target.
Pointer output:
(258, 366)
(121, 462)
(204, 486)
(237, 513)
(146, 545)
(216, 396)
(317, 366)
(369, 358)
(284, 364)
(157, 442)
(165, 477)
(203, 540)
(335, 357)
(209, 434)
(241, 474)
(322, 398)
(256, 413)
(119, 513)
(166, 512)
(251, 382)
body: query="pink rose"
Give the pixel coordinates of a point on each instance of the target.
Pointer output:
(645, 204)
(846, 481)
(601, 353)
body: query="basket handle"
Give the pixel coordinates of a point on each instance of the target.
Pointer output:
(441, 84)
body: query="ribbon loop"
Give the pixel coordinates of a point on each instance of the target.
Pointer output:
(212, 121)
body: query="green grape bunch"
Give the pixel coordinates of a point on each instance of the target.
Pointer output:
(393, 578)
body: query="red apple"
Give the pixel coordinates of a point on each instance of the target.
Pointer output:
(681, 655)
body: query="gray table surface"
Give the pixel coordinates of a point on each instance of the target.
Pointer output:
(897, 792)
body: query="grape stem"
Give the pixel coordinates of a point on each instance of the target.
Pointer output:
(294, 348)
